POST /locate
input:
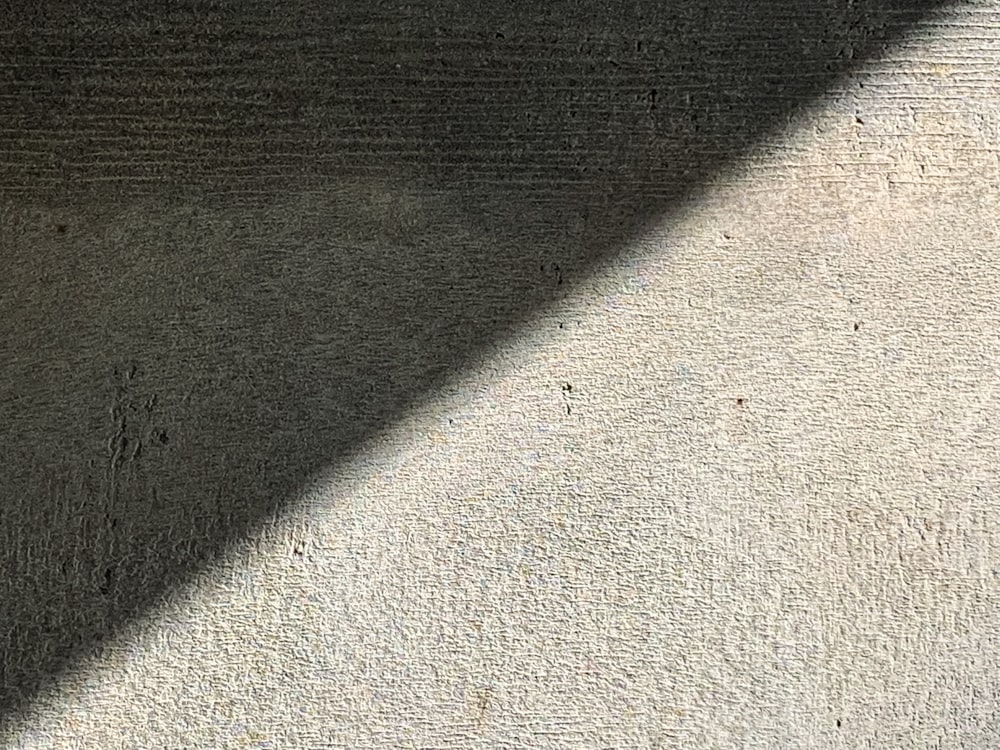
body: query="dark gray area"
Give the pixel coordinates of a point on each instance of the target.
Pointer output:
(238, 237)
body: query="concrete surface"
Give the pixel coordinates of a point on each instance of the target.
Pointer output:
(443, 376)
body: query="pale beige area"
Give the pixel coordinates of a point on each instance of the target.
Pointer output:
(770, 502)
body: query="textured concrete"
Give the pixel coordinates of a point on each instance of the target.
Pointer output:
(562, 376)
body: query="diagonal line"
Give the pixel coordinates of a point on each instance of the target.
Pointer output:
(242, 238)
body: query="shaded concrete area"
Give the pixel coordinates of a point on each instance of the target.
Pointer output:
(240, 239)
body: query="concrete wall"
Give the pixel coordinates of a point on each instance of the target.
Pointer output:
(560, 376)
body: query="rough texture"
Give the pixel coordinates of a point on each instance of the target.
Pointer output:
(566, 376)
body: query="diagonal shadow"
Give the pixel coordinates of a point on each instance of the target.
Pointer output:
(239, 238)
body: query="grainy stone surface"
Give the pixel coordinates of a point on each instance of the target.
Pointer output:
(549, 375)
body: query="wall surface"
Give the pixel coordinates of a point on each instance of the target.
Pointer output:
(443, 376)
